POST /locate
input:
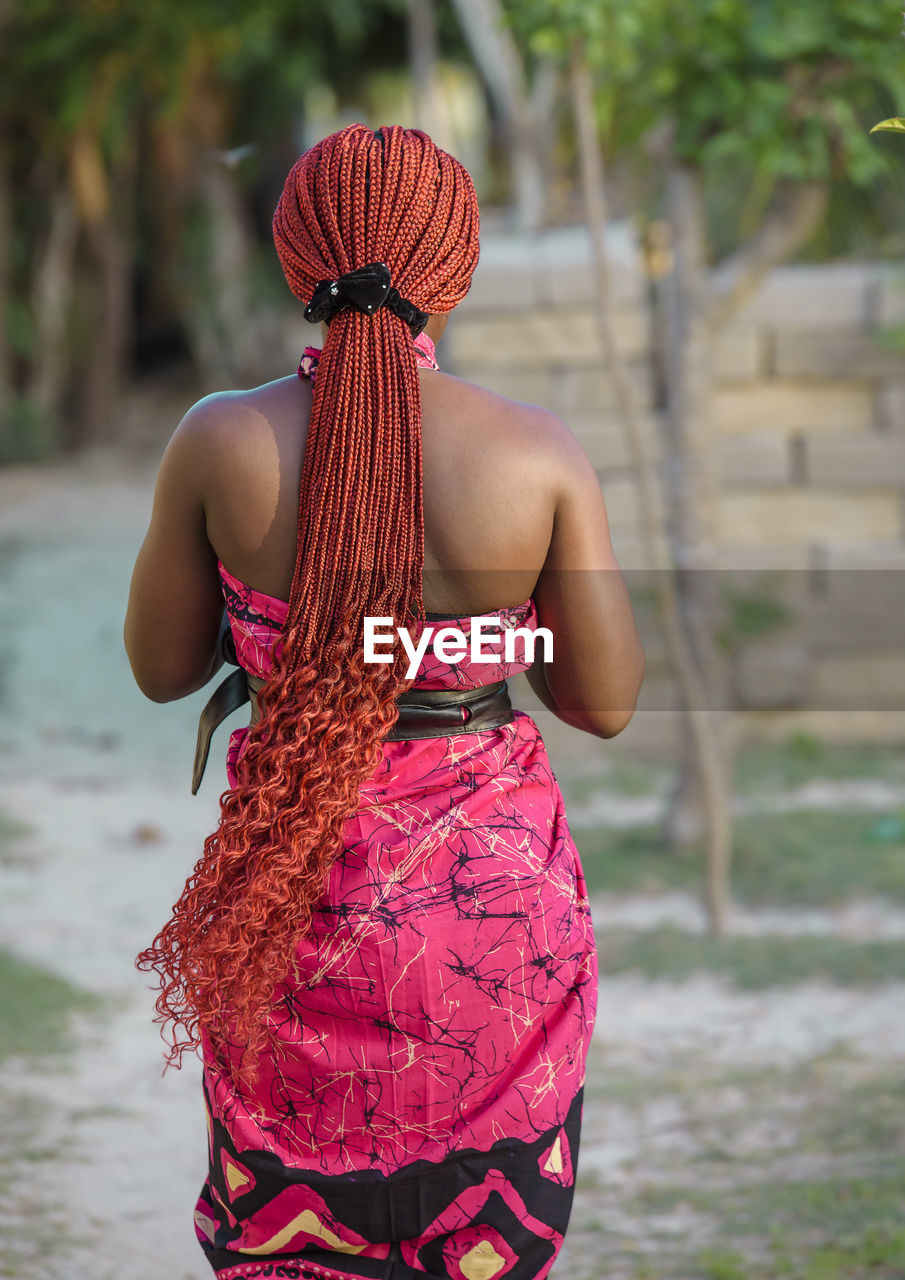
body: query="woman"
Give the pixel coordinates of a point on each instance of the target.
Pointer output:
(385, 951)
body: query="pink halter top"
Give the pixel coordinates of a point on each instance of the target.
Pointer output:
(425, 357)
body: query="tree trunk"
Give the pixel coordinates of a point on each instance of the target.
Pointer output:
(795, 216)
(215, 302)
(704, 738)
(497, 59)
(694, 304)
(173, 163)
(106, 203)
(682, 824)
(51, 290)
(6, 371)
(422, 27)
(546, 84)
(720, 292)
(691, 506)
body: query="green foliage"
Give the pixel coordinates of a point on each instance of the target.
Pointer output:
(754, 963)
(96, 64)
(123, 102)
(780, 88)
(752, 614)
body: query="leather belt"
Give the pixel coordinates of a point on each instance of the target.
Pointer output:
(423, 713)
(441, 713)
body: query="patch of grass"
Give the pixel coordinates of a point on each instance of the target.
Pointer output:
(12, 829)
(624, 775)
(787, 859)
(633, 860)
(721, 1264)
(767, 767)
(865, 1115)
(633, 777)
(879, 1256)
(11, 832)
(687, 1077)
(750, 963)
(32, 1229)
(35, 1006)
(832, 1228)
(845, 1219)
(757, 1172)
(804, 757)
(36, 1012)
(824, 1205)
(814, 857)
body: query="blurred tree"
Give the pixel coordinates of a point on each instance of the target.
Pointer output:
(126, 132)
(521, 100)
(422, 23)
(775, 90)
(896, 124)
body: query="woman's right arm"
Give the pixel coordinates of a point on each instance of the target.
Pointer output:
(598, 662)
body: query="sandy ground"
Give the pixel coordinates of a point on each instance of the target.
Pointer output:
(103, 778)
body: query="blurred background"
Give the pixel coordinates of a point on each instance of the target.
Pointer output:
(692, 251)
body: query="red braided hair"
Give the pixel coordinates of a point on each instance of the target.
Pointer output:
(354, 199)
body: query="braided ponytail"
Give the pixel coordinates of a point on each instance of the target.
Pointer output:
(355, 198)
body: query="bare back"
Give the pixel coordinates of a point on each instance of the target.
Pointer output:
(488, 499)
(512, 509)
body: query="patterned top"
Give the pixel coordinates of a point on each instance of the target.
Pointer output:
(257, 619)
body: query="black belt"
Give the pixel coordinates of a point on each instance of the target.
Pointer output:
(423, 713)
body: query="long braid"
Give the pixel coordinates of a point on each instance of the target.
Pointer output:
(353, 199)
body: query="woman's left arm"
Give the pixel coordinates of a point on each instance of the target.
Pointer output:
(173, 625)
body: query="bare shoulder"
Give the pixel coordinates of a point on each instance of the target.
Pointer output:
(530, 424)
(242, 428)
(220, 410)
(534, 433)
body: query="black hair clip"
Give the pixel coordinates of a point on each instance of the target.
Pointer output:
(367, 289)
